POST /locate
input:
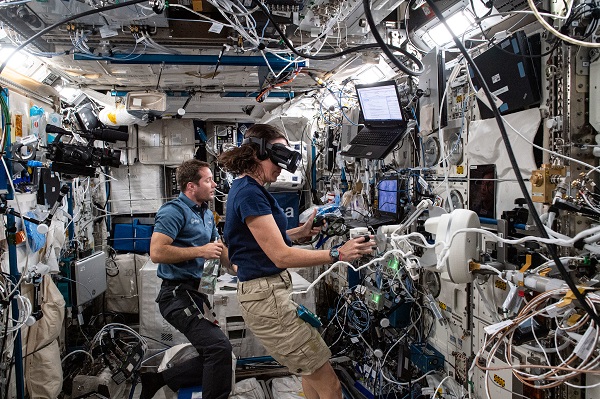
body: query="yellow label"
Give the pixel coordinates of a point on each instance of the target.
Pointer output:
(499, 380)
(501, 284)
(197, 5)
(18, 125)
(569, 297)
(527, 264)
(442, 305)
(459, 169)
(573, 319)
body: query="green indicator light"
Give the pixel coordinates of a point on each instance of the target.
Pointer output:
(376, 298)
(393, 264)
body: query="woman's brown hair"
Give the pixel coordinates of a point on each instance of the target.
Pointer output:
(243, 159)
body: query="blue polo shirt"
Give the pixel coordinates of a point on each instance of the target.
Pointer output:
(189, 225)
(248, 198)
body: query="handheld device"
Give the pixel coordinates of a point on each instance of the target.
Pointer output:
(308, 316)
(318, 221)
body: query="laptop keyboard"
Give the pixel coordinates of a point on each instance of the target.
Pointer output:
(380, 138)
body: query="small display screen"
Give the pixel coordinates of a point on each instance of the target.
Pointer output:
(482, 190)
(388, 196)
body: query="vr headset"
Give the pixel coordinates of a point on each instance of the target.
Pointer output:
(279, 154)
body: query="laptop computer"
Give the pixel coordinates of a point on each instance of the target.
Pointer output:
(90, 275)
(384, 121)
(388, 205)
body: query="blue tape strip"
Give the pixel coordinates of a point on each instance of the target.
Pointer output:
(521, 69)
(515, 46)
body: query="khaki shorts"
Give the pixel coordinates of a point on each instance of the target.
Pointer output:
(272, 318)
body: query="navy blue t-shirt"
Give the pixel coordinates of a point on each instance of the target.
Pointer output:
(248, 198)
(189, 225)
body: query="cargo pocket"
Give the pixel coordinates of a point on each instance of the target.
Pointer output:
(295, 331)
(259, 311)
(260, 303)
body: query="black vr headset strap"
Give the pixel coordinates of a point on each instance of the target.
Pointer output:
(263, 147)
(287, 159)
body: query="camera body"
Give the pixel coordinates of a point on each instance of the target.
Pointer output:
(83, 155)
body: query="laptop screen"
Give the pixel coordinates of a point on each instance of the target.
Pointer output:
(379, 102)
(387, 190)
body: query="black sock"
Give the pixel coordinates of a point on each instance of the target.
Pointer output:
(151, 382)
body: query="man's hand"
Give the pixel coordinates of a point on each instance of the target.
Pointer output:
(212, 250)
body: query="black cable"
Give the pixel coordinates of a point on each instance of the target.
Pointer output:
(290, 45)
(39, 349)
(162, 67)
(350, 50)
(68, 19)
(10, 370)
(387, 49)
(489, 12)
(515, 166)
(4, 339)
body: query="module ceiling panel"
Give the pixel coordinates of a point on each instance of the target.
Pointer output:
(54, 11)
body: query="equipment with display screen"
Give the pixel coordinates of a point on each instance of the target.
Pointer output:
(384, 121)
(389, 208)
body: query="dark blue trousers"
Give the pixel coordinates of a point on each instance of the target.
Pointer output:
(181, 305)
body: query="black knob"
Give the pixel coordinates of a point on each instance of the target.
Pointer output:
(520, 201)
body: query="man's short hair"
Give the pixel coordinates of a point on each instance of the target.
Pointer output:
(189, 171)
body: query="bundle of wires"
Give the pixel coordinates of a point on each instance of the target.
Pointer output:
(278, 82)
(577, 354)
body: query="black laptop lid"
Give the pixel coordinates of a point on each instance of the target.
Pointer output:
(380, 104)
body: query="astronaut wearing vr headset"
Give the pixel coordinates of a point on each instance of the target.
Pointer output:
(260, 244)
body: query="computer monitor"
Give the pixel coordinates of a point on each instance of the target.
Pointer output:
(388, 191)
(482, 190)
(90, 277)
(379, 102)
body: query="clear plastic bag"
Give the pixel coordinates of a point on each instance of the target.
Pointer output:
(208, 283)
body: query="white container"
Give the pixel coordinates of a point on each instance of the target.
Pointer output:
(122, 287)
(289, 181)
(143, 103)
(137, 189)
(152, 324)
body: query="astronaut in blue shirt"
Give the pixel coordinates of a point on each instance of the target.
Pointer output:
(185, 235)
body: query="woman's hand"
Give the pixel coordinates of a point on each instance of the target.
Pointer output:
(309, 227)
(356, 248)
(307, 230)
